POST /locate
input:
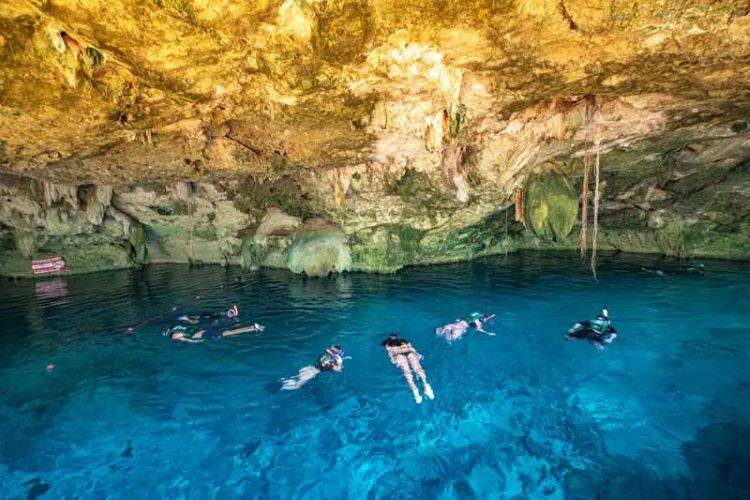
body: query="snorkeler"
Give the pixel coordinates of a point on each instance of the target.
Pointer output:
(597, 331)
(332, 359)
(231, 313)
(698, 269)
(454, 331)
(403, 355)
(182, 333)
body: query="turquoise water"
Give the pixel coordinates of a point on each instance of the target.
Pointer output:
(662, 413)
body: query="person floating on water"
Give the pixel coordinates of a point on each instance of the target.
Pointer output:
(231, 313)
(332, 359)
(403, 355)
(454, 331)
(698, 269)
(182, 333)
(597, 331)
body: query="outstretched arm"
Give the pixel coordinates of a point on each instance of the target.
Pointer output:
(482, 330)
(478, 325)
(245, 329)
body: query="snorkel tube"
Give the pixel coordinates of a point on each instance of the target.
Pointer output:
(477, 316)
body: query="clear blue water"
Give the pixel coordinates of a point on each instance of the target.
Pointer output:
(663, 413)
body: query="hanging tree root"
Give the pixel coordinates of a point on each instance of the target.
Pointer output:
(519, 208)
(596, 213)
(585, 205)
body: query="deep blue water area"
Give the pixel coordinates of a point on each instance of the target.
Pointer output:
(664, 412)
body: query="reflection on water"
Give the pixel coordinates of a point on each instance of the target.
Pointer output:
(662, 413)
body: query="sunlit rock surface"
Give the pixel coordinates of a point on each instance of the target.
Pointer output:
(329, 135)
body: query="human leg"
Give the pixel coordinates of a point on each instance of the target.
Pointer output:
(402, 363)
(415, 365)
(305, 375)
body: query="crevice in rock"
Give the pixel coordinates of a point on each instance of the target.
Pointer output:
(245, 145)
(568, 17)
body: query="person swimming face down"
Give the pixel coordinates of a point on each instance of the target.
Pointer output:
(218, 317)
(332, 359)
(598, 331)
(454, 331)
(402, 354)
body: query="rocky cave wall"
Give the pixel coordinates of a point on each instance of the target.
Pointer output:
(367, 135)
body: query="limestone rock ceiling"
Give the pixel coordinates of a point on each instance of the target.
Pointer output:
(121, 91)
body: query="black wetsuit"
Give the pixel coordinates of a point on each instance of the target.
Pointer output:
(675, 270)
(592, 335)
(589, 332)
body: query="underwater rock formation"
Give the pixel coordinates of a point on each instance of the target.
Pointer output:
(167, 131)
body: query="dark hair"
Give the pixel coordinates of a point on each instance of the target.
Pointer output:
(394, 340)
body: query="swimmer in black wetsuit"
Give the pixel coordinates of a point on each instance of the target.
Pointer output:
(231, 313)
(698, 269)
(598, 331)
(332, 359)
(402, 354)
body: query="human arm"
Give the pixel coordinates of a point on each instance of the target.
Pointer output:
(193, 320)
(478, 325)
(245, 329)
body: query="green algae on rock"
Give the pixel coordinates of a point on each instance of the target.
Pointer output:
(171, 134)
(551, 205)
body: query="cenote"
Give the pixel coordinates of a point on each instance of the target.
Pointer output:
(662, 412)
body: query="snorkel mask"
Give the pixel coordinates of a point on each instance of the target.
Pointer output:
(337, 353)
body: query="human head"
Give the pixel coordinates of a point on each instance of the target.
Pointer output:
(393, 340)
(336, 351)
(605, 313)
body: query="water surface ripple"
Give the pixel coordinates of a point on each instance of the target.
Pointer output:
(663, 413)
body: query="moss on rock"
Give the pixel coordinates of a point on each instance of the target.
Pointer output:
(551, 206)
(137, 238)
(318, 253)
